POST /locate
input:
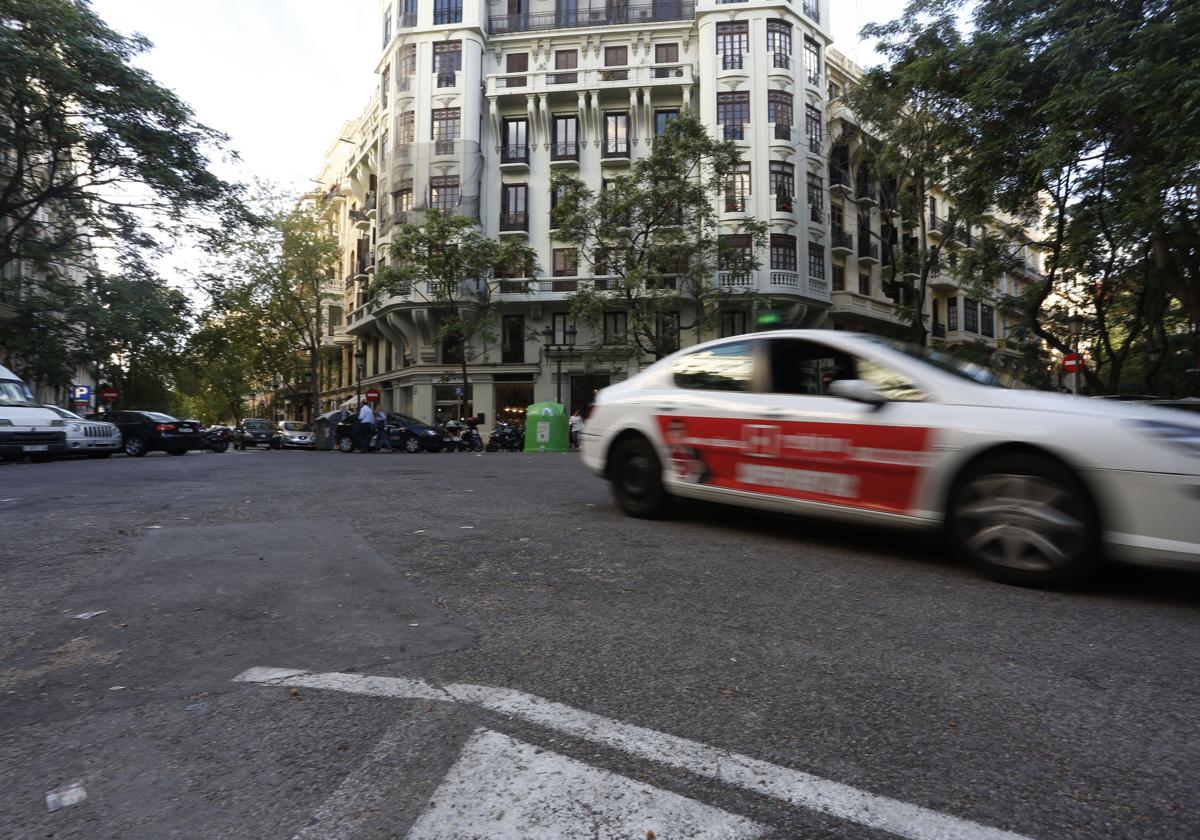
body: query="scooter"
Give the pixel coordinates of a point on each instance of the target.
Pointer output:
(507, 438)
(471, 441)
(217, 440)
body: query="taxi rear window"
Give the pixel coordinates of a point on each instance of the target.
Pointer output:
(726, 367)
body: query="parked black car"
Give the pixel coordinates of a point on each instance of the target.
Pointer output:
(254, 432)
(406, 433)
(152, 431)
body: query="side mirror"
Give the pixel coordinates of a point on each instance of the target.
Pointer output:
(857, 390)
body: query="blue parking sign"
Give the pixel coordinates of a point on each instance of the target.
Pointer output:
(81, 394)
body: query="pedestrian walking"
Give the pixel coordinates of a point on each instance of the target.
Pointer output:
(366, 426)
(576, 427)
(381, 432)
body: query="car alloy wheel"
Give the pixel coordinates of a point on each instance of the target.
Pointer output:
(637, 479)
(412, 444)
(346, 445)
(1027, 521)
(135, 447)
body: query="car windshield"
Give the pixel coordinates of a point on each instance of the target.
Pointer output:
(292, 426)
(63, 413)
(257, 425)
(963, 369)
(15, 393)
(404, 420)
(159, 418)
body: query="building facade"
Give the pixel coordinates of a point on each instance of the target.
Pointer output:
(480, 102)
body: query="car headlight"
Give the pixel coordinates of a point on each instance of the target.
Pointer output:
(75, 427)
(1184, 437)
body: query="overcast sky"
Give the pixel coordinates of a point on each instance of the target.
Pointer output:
(280, 76)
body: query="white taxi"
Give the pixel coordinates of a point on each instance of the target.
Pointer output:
(1034, 488)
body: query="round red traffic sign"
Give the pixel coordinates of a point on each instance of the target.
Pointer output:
(826, 378)
(1072, 362)
(373, 395)
(108, 393)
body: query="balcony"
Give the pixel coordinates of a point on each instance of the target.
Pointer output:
(938, 330)
(586, 18)
(371, 205)
(937, 226)
(868, 194)
(515, 156)
(614, 152)
(735, 279)
(818, 287)
(785, 280)
(943, 281)
(360, 219)
(910, 267)
(446, 14)
(564, 153)
(842, 243)
(839, 182)
(868, 252)
(865, 311)
(514, 223)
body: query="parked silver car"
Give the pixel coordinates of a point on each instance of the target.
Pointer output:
(93, 438)
(296, 435)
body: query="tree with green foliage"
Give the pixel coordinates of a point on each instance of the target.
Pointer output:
(454, 268)
(653, 239)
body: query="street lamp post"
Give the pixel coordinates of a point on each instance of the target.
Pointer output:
(560, 349)
(1075, 325)
(360, 362)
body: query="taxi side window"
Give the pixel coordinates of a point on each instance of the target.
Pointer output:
(806, 367)
(893, 385)
(726, 367)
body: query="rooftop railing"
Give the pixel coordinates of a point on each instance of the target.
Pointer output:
(614, 14)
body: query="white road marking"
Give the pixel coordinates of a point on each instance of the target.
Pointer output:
(794, 787)
(501, 787)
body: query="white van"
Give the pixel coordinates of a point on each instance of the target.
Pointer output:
(27, 428)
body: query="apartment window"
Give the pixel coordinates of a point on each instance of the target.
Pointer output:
(733, 252)
(615, 57)
(514, 207)
(387, 27)
(385, 86)
(737, 189)
(987, 320)
(952, 313)
(616, 133)
(812, 61)
(402, 200)
(516, 63)
(783, 252)
(615, 327)
(783, 184)
(837, 219)
(839, 278)
(816, 260)
(406, 63)
(835, 90)
(443, 193)
(864, 284)
(447, 125)
(779, 42)
(816, 198)
(733, 323)
(971, 315)
(565, 60)
(665, 54)
(733, 42)
(447, 61)
(811, 10)
(565, 262)
(516, 141)
(812, 125)
(733, 112)
(664, 117)
(512, 339)
(779, 112)
(447, 11)
(408, 13)
(404, 128)
(383, 150)
(566, 137)
(558, 323)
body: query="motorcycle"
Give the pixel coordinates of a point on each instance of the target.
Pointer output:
(471, 440)
(461, 437)
(217, 440)
(507, 438)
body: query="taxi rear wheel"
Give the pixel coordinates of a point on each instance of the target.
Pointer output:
(637, 479)
(1025, 520)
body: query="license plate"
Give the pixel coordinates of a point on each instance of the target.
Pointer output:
(36, 447)
(186, 429)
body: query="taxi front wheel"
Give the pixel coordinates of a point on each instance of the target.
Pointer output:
(637, 479)
(1025, 520)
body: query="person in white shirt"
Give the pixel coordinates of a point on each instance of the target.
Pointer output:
(576, 426)
(366, 426)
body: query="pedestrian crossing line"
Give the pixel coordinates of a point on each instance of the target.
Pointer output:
(792, 787)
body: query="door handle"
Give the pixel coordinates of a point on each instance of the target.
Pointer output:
(775, 413)
(664, 408)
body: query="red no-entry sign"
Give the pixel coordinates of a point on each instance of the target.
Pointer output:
(373, 395)
(108, 393)
(1073, 362)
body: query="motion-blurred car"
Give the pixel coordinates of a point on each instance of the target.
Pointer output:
(296, 435)
(405, 433)
(1033, 488)
(1185, 404)
(95, 439)
(255, 432)
(150, 431)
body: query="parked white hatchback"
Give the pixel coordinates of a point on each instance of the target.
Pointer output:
(93, 438)
(1034, 488)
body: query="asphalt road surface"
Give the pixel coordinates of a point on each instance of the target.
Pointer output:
(318, 645)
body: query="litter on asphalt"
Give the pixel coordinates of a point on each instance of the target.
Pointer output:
(61, 797)
(86, 615)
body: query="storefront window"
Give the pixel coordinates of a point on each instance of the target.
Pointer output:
(446, 401)
(511, 400)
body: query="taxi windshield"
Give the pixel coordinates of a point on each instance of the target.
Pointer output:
(963, 369)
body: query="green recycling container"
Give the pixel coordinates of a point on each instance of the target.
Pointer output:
(546, 428)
